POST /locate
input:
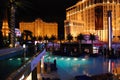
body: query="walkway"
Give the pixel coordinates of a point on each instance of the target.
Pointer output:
(51, 76)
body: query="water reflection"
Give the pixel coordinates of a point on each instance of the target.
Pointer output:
(72, 66)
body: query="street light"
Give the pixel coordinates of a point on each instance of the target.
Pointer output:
(109, 31)
(36, 46)
(24, 49)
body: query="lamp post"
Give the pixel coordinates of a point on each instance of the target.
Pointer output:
(24, 54)
(36, 46)
(109, 32)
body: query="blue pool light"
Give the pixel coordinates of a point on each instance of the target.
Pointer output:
(83, 59)
(75, 59)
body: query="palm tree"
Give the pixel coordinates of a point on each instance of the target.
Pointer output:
(69, 37)
(52, 38)
(46, 38)
(118, 37)
(60, 38)
(92, 38)
(10, 7)
(27, 33)
(40, 38)
(80, 37)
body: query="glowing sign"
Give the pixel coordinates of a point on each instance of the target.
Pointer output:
(17, 32)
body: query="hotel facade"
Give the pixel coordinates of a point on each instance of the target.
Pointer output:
(37, 27)
(90, 16)
(40, 28)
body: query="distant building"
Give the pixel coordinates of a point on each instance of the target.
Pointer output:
(90, 16)
(5, 28)
(40, 28)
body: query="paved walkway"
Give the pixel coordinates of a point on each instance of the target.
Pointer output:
(51, 75)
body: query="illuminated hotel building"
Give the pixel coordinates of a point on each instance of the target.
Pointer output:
(5, 29)
(40, 28)
(90, 16)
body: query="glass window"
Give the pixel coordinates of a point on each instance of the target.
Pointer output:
(98, 1)
(82, 6)
(115, 1)
(79, 8)
(110, 1)
(92, 1)
(105, 1)
(87, 3)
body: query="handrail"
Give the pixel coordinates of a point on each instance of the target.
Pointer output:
(15, 75)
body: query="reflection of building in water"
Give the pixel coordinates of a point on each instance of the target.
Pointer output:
(113, 66)
(90, 16)
(116, 68)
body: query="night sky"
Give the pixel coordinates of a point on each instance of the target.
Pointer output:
(50, 10)
(47, 10)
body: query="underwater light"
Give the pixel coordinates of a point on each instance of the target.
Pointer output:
(18, 58)
(62, 58)
(75, 58)
(83, 59)
(10, 59)
(68, 58)
(55, 57)
(26, 58)
(49, 57)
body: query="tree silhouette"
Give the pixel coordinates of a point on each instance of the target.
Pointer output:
(40, 38)
(60, 39)
(80, 37)
(26, 34)
(118, 37)
(52, 38)
(92, 38)
(46, 38)
(69, 37)
(9, 7)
